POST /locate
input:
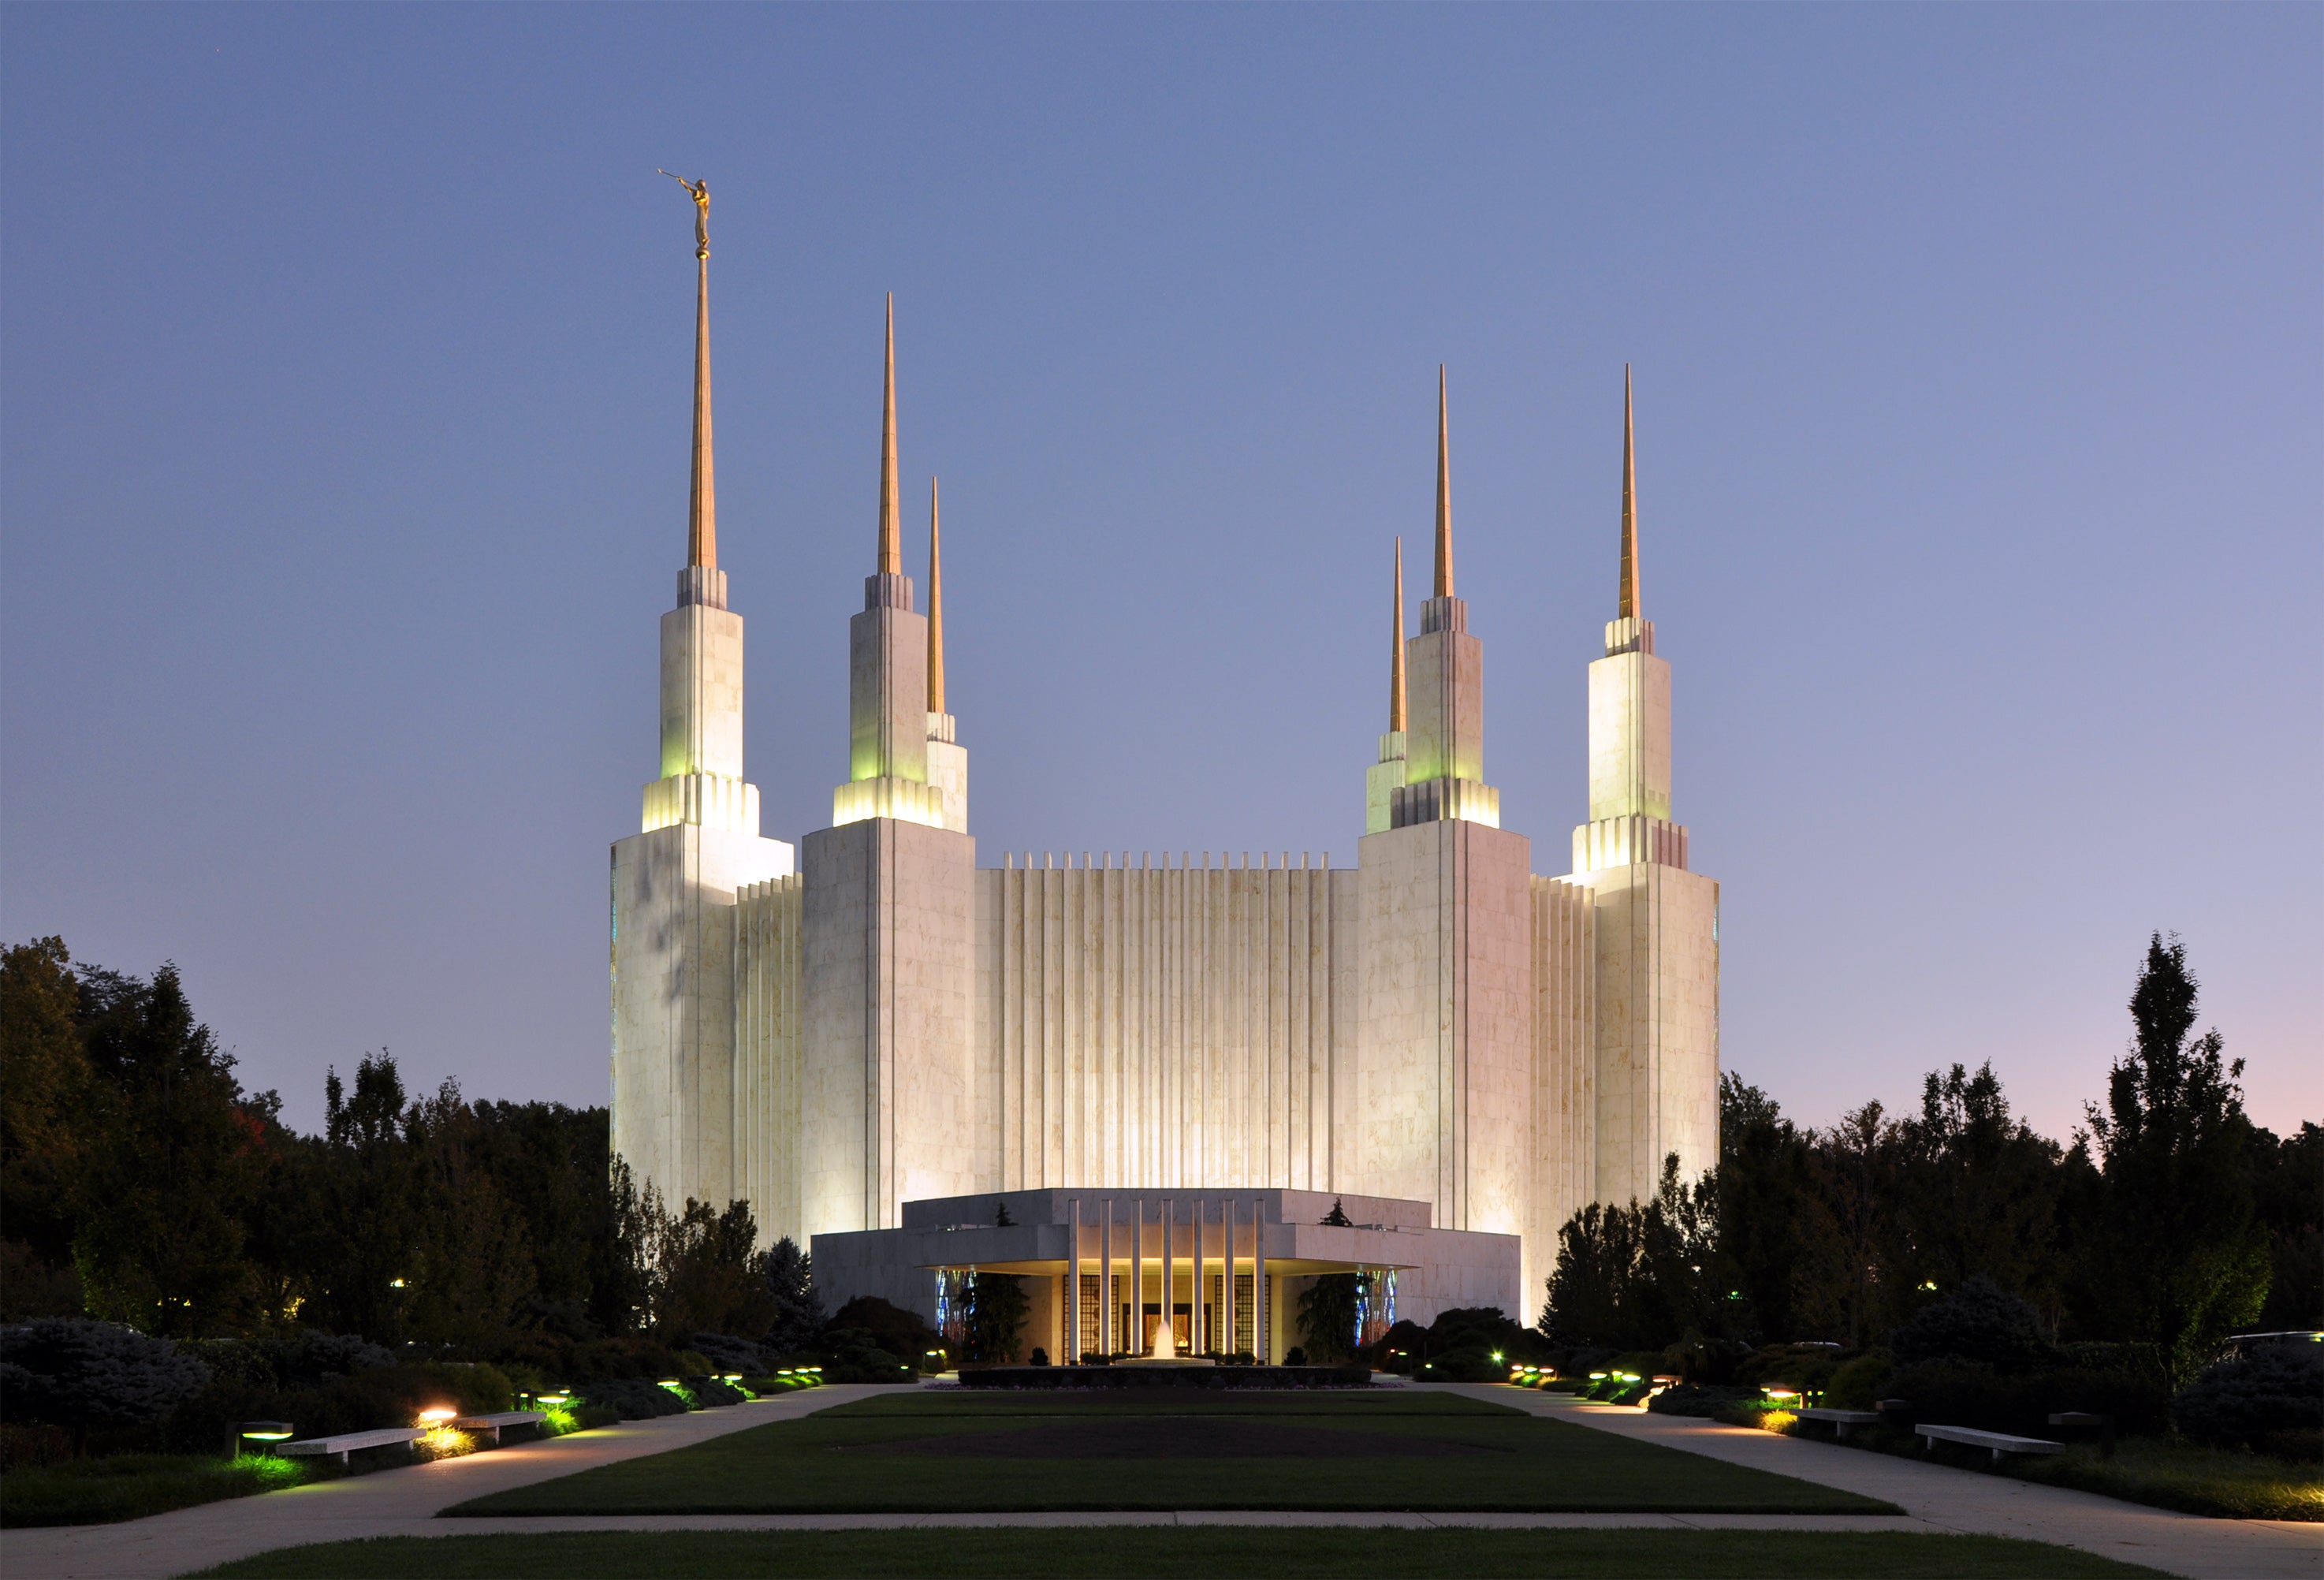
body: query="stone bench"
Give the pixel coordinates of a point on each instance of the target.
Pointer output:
(2000, 1442)
(1842, 1422)
(348, 1443)
(494, 1422)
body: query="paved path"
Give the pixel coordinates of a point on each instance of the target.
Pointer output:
(1939, 1497)
(385, 1501)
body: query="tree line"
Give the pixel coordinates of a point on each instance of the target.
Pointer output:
(2168, 1221)
(140, 1183)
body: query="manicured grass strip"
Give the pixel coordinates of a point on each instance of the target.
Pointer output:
(2229, 1482)
(130, 1486)
(830, 1462)
(1168, 1403)
(1213, 1554)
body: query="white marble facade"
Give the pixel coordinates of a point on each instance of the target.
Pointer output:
(884, 1021)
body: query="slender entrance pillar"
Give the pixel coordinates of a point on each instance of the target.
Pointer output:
(1072, 1348)
(1105, 1280)
(1260, 1303)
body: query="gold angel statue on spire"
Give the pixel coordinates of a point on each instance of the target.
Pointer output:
(700, 192)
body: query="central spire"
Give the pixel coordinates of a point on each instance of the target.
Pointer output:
(1626, 600)
(891, 540)
(1444, 493)
(1395, 648)
(935, 606)
(702, 510)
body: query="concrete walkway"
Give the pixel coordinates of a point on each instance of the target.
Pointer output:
(380, 1503)
(1939, 1497)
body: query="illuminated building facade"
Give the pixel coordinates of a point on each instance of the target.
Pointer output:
(867, 1034)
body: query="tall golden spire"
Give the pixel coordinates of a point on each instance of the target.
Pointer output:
(891, 538)
(1395, 648)
(702, 509)
(1627, 602)
(1444, 493)
(936, 607)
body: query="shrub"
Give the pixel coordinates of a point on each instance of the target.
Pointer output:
(1699, 1399)
(2253, 1400)
(710, 1392)
(1699, 1358)
(899, 1332)
(726, 1354)
(1295, 1356)
(1860, 1383)
(1980, 1321)
(308, 1360)
(1465, 1365)
(1958, 1394)
(1802, 1368)
(71, 1372)
(629, 1398)
(856, 1356)
(369, 1398)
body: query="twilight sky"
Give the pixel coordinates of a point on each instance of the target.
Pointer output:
(1981, 381)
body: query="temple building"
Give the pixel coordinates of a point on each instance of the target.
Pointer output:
(1100, 1072)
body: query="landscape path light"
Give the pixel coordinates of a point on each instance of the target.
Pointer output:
(256, 1431)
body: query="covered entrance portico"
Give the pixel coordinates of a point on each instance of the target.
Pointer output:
(1102, 1267)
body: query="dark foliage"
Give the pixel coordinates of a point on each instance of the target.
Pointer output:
(798, 1317)
(2176, 1222)
(1640, 1276)
(1979, 1322)
(853, 1354)
(1327, 1317)
(633, 1398)
(729, 1354)
(1958, 1393)
(903, 1336)
(1699, 1399)
(70, 1372)
(997, 1308)
(2258, 1400)
(2181, 1257)
(371, 1397)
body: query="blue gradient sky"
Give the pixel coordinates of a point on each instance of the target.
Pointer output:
(343, 450)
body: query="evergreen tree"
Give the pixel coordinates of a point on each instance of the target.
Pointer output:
(175, 1161)
(1327, 1317)
(997, 1307)
(1974, 1192)
(798, 1319)
(2182, 1254)
(45, 1090)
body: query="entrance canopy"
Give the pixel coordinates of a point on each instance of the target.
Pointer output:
(1095, 1259)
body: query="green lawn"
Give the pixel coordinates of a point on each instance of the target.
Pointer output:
(130, 1486)
(1213, 1554)
(2227, 1483)
(928, 1452)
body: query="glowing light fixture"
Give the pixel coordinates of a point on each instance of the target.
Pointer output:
(437, 1414)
